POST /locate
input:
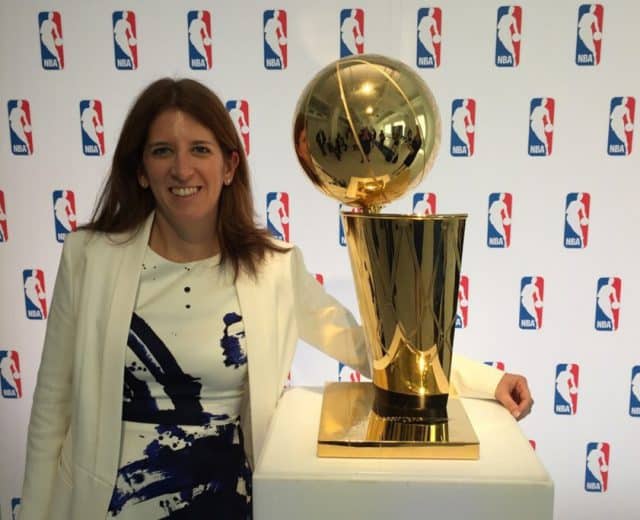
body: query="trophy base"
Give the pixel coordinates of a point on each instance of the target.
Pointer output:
(349, 428)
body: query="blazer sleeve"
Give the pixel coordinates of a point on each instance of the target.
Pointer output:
(51, 409)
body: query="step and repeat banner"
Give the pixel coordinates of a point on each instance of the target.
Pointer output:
(538, 107)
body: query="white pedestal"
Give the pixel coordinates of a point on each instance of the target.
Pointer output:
(290, 482)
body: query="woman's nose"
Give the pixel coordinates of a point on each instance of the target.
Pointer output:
(182, 166)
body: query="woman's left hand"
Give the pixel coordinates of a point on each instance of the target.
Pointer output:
(513, 392)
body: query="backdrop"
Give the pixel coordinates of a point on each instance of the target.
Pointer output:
(538, 106)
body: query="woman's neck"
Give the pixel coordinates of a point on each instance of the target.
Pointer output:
(181, 245)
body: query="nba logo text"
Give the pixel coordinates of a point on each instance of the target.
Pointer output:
(596, 475)
(429, 37)
(531, 302)
(565, 401)
(608, 294)
(508, 36)
(64, 213)
(495, 364)
(20, 127)
(462, 311)
(634, 397)
(499, 220)
(589, 39)
(10, 381)
(51, 45)
(541, 121)
(92, 127)
(463, 127)
(622, 114)
(125, 40)
(274, 27)
(239, 112)
(577, 209)
(424, 203)
(351, 32)
(4, 228)
(35, 298)
(200, 43)
(348, 374)
(278, 214)
(343, 208)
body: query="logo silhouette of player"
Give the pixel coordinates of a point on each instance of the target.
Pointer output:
(350, 32)
(622, 123)
(567, 386)
(11, 375)
(508, 31)
(608, 300)
(274, 35)
(463, 305)
(589, 30)
(597, 464)
(277, 215)
(91, 124)
(428, 32)
(20, 124)
(423, 207)
(237, 116)
(541, 124)
(576, 214)
(50, 37)
(35, 293)
(462, 123)
(199, 37)
(532, 300)
(499, 216)
(123, 33)
(64, 212)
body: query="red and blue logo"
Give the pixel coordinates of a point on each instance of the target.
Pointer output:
(200, 42)
(278, 214)
(508, 36)
(531, 302)
(92, 127)
(424, 203)
(576, 220)
(348, 374)
(35, 297)
(596, 474)
(15, 508)
(608, 294)
(342, 239)
(10, 382)
(495, 364)
(499, 220)
(462, 309)
(274, 27)
(622, 115)
(20, 127)
(565, 401)
(239, 112)
(634, 395)
(541, 121)
(125, 40)
(589, 39)
(51, 44)
(64, 213)
(429, 36)
(463, 127)
(351, 32)
(4, 228)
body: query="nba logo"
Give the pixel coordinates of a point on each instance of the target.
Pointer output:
(51, 48)
(429, 37)
(576, 220)
(531, 302)
(274, 26)
(343, 208)
(200, 45)
(278, 214)
(348, 374)
(462, 311)
(621, 119)
(91, 126)
(499, 220)
(319, 278)
(20, 127)
(565, 401)
(608, 303)
(15, 508)
(596, 473)
(463, 127)
(424, 203)
(125, 41)
(508, 36)
(634, 398)
(351, 32)
(541, 119)
(35, 298)
(495, 364)
(64, 213)
(4, 229)
(239, 111)
(589, 40)
(10, 382)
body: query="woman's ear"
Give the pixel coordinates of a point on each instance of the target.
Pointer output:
(234, 161)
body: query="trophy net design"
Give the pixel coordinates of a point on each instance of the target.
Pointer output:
(366, 131)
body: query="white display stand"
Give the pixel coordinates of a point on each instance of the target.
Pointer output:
(290, 481)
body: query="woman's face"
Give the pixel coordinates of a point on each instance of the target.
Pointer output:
(185, 169)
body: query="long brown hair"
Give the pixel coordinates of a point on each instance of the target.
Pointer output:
(123, 204)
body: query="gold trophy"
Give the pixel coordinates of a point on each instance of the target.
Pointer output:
(366, 130)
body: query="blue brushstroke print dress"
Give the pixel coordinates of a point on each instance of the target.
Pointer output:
(182, 452)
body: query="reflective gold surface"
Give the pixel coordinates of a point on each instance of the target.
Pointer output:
(337, 126)
(349, 429)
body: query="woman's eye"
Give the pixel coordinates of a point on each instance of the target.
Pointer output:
(201, 149)
(160, 151)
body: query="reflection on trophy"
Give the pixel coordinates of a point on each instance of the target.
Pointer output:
(366, 130)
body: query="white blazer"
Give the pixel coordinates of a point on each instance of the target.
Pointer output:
(74, 435)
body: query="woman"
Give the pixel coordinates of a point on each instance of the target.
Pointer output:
(172, 330)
